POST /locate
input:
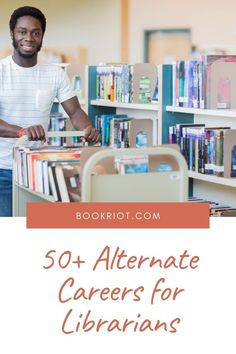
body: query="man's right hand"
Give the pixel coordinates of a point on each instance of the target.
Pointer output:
(35, 132)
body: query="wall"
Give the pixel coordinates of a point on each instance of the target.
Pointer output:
(73, 24)
(96, 24)
(212, 23)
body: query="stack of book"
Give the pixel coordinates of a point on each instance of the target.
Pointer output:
(49, 170)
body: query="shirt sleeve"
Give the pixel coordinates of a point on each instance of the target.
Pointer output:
(64, 90)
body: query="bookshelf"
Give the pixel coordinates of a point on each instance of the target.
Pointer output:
(229, 113)
(134, 110)
(164, 115)
(72, 71)
(138, 106)
(220, 189)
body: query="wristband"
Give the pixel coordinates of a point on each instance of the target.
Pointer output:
(20, 132)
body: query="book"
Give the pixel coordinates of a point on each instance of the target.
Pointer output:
(105, 127)
(131, 164)
(77, 86)
(145, 94)
(53, 185)
(233, 161)
(33, 172)
(155, 93)
(68, 179)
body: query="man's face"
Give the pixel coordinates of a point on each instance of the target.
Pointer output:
(27, 36)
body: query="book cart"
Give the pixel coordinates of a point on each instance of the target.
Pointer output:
(153, 186)
(169, 186)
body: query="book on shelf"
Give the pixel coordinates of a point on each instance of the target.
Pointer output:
(103, 125)
(215, 208)
(123, 83)
(207, 83)
(214, 152)
(53, 185)
(76, 73)
(187, 84)
(144, 94)
(228, 213)
(202, 147)
(68, 180)
(155, 96)
(142, 163)
(49, 170)
(191, 138)
(121, 131)
(57, 123)
(35, 170)
(114, 83)
(219, 151)
(30, 165)
(229, 146)
(131, 164)
(233, 162)
(77, 86)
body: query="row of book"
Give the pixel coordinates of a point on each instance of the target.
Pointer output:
(118, 130)
(206, 83)
(116, 83)
(50, 170)
(202, 147)
(114, 129)
(215, 208)
(58, 123)
(56, 171)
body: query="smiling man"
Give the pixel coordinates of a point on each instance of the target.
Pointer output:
(27, 92)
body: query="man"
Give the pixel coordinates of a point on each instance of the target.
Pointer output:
(27, 92)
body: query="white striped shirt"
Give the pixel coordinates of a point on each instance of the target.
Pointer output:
(26, 98)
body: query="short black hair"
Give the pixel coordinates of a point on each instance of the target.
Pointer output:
(27, 11)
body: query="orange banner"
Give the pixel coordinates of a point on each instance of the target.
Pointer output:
(118, 215)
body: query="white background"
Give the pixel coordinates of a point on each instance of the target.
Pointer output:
(31, 316)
